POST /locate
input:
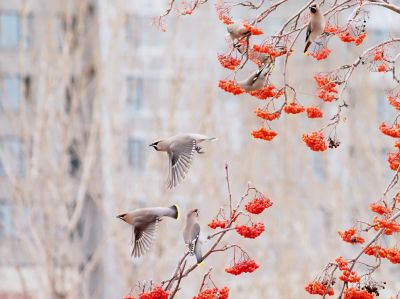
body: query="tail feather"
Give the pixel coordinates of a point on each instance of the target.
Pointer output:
(308, 44)
(176, 213)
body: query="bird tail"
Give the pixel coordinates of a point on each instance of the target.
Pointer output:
(197, 253)
(176, 211)
(308, 44)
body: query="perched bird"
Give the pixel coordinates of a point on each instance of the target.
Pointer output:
(257, 79)
(144, 225)
(237, 31)
(181, 149)
(191, 235)
(316, 25)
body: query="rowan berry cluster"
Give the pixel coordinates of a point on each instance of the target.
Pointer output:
(215, 223)
(267, 115)
(352, 293)
(394, 101)
(246, 266)
(214, 293)
(393, 131)
(294, 108)
(380, 209)
(268, 91)
(269, 49)
(253, 30)
(391, 254)
(390, 226)
(258, 205)
(250, 232)
(315, 141)
(230, 86)
(318, 288)
(326, 88)
(314, 112)
(156, 293)
(228, 62)
(350, 236)
(349, 276)
(320, 54)
(264, 134)
(342, 264)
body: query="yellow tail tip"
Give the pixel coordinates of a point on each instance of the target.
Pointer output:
(178, 212)
(200, 264)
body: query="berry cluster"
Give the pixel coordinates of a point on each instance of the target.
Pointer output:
(349, 276)
(352, 293)
(268, 91)
(294, 108)
(314, 112)
(229, 62)
(315, 141)
(268, 49)
(267, 115)
(321, 54)
(342, 264)
(215, 223)
(394, 101)
(258, 205)
(390, 226)
(230, 86)
(394, 160)
(250, 232)
(393, 131)
(348, 38)
(391, 254)
(156, 293)
(351, 236)
(264, 134)
(326, 89)
(214, 293)
(380, 209)
(247, 266)
(318, 288)
(253, 30)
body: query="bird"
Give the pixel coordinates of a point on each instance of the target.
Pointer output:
(180, 149)
(144, 224)
(316, 25)
(237, 31)
(257, 79)
(191, 235)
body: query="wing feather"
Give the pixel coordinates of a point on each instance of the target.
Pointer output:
(180, 160)
(144, 238)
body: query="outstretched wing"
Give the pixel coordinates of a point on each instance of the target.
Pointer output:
(143, 238)
(180, 160)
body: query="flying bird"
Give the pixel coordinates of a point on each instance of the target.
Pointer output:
(191, 235)
(316, 25)
(180, 149)
(144, 224)
(257, 79)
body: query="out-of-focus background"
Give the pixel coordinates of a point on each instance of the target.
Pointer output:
(85, 86)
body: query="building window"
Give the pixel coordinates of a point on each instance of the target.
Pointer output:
(11, 156)
(5, 218)
(136, 153)
(10, 90)
(134, 92)
(10, 26)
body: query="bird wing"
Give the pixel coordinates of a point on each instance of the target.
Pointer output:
(143, 238)
(308, 31)
(180, 160)
(194, 236)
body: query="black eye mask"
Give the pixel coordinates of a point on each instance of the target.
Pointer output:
(313, 9)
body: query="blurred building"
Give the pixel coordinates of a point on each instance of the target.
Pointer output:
(85, 86)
